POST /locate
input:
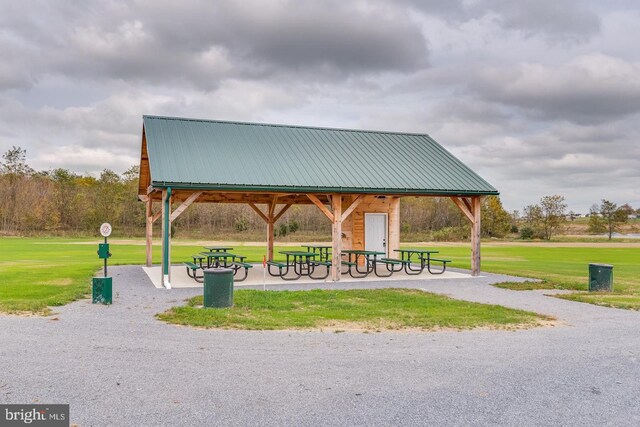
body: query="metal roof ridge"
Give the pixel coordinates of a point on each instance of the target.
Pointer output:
(280, 125)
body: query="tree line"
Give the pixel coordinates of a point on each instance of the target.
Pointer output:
(61, 202)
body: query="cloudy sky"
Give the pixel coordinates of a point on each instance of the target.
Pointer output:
(540, 97)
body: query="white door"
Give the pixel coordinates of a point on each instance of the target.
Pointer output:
(375, 232)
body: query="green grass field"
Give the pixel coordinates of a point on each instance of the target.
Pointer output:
(339, 310)
(38, 273)
(562, 268)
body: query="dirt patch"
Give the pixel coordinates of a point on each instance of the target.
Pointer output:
(338, 327)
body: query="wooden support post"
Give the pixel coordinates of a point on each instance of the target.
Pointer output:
(149, 232)
(272, 207)
(475, 236)
(471, 208)
(270, 231)
(270, 218)
(394, 226)
(336, 237)
(270, 227)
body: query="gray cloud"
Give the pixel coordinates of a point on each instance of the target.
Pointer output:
(554, 19)
(588, 89)
(538, 97)
(202, 43)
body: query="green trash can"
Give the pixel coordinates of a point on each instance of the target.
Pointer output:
(102, 290)
(218, 287)
(600, 278)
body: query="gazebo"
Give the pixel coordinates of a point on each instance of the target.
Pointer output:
(355, 177)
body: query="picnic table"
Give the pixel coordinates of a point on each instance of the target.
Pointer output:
(218, 248)
(371, 257)
(301, 263)
(218, 259)
(425, 259)
(322, 250)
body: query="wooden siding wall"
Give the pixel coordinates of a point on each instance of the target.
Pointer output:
(353, 226)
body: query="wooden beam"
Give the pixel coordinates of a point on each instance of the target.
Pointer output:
(149, 232)
(463, 207)
(259, 212)
(270, 239)
(322, 207)
(282, 211)
(352, 207)
(475, 236)
(192, 198)
(467, 203)
(336, 237)
(272, 206)
(156, 216)
(270, 227)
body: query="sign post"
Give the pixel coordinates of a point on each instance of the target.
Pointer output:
(105, 230)
(102, 286)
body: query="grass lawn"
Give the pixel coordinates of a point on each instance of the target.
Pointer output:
(561, 268)
(369, 310)
(36, 273)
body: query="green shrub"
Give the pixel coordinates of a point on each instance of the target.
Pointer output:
(448, 234)
(241, 224)
(526, 233)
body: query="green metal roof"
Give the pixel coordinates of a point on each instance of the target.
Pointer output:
(218, 155)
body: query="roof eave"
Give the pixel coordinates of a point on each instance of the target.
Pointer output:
(323, 190)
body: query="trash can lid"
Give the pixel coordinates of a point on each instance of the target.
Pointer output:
(601, 265)
(218, 271)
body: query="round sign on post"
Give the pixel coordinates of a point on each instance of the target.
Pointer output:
(105, 229)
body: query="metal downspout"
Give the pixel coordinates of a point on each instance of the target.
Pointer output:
(166, 237)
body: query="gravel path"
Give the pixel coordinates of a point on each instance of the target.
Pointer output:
(117, 365)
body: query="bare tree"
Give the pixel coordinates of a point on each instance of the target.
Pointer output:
(612, 216)
(547, 218)
(596, 224)
(553, 215)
